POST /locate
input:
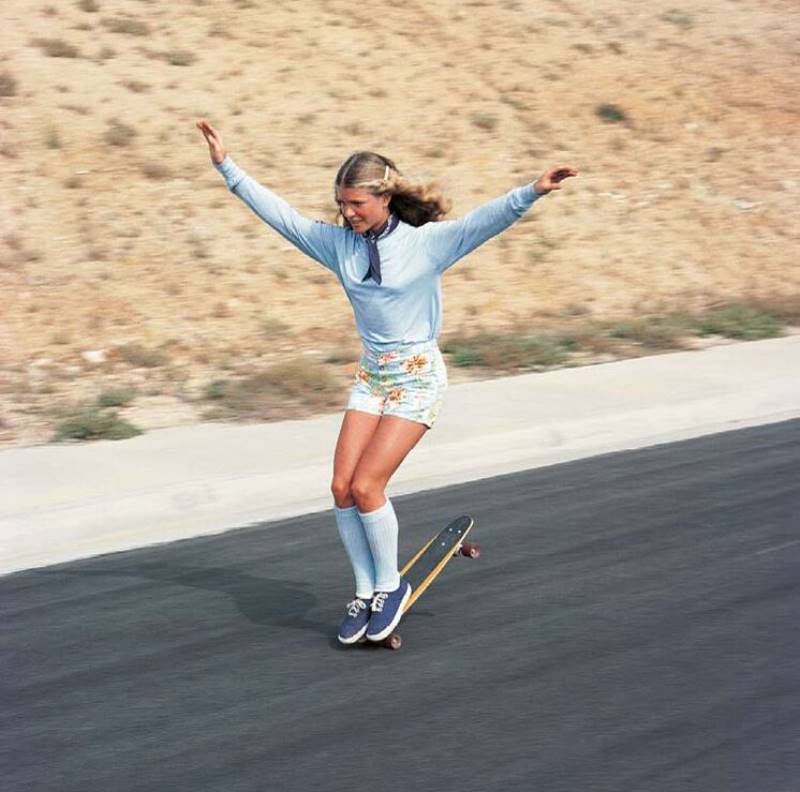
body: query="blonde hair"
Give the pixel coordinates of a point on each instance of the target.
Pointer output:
(415, 203)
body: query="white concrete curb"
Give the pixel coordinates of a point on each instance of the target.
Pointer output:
(60, 503)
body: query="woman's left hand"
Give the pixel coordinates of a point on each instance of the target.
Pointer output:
(551, 179)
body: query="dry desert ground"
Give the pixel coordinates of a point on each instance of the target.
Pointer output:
(129, 273)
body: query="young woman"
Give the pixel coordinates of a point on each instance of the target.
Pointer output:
(389, 254)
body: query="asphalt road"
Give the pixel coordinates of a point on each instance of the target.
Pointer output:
(632, 624)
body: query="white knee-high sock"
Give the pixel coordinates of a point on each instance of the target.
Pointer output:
(381, 529)
(355, 542)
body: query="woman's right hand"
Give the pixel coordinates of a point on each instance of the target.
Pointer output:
(215, 146)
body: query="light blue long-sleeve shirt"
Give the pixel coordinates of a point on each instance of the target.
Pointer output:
(407, 306)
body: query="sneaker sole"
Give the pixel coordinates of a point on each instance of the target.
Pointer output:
(355, 637)
(387, 631)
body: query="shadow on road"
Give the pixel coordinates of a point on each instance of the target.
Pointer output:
(265, 601)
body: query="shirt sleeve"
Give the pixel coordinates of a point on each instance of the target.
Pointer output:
(313, 237)
(449, 240)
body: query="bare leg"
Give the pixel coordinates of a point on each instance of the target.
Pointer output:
(358, 429)
(389, 445)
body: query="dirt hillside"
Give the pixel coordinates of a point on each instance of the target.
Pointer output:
(124, 261)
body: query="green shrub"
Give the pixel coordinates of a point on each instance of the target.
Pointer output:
(463, 354)
(611, 113)
(660, 332)
(116, 397)
(743, 322)
(506, 351)
(218, 389)
(93, 423)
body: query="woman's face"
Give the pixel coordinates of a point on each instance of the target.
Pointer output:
(361, 209)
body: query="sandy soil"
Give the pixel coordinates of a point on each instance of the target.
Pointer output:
(118, 239)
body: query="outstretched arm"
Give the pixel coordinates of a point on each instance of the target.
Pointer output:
(315, 239)
(450, 240)
(552, 179)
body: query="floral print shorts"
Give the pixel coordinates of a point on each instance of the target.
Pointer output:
(408, 381)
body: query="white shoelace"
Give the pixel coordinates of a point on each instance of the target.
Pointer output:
(378, 600)
(355, 606)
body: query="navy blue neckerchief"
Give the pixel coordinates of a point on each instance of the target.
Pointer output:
(372, 238)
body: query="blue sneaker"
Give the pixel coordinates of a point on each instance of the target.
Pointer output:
(355, 622)
(387, 610)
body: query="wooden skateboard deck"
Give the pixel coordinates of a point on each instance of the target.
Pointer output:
(424, 567)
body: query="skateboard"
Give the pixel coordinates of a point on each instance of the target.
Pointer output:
(424, 567)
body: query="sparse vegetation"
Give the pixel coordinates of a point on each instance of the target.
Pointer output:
(300, 387)
(521, 350)
(506, 351)
(219, 30)
(52, 138)
(127, 25)
(94, 423)
(77, 109)
(61, 338)
(678, 18)
(8, 84)
(484, 121)
(179, 57)
(119, 134)
(57, 48)
(116, 397)
(668, 332)
(276, 392)
(611, 113)
(141, 356)
(341, 356)
(784, 307)
(272, 327)
(136, 86)
(157, 171)
(744, 322)
(218, 389)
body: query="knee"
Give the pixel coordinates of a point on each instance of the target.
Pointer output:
(342, 495)
(365, 492)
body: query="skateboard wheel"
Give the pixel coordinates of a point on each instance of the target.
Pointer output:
(470, 550)
(394, 641)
